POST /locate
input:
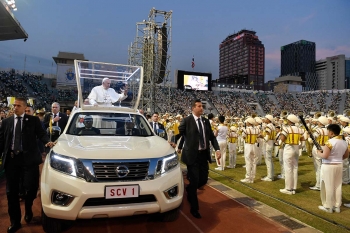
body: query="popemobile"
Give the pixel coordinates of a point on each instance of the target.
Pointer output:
(108, 162)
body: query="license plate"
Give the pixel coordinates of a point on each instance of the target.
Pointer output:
(121, 191)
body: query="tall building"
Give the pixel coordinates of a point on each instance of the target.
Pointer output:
(242, 60)
(298, 59)
(347, 73)
(333, 72)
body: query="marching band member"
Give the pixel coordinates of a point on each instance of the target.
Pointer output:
(334, 151)
(221, 134)
(270, 134)
(259, 151)
(321, 136)
(291, 136)
(240, 143)
(232, 147)
(250, 134)
(279, 145)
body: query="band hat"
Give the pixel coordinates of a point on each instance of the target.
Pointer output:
(178, 115)
(269, 117)
(314, 120)
(323, 120)
(258, 120)
(339, 116)
(346, 130)
(293, 118)
(233, 128)
(344, 119)
(250, 120)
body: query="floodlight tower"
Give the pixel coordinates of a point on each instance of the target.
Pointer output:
(152, 50)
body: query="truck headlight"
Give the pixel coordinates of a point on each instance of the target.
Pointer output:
(167, 164)
(67, 165)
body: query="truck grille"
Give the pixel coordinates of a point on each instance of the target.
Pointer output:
(107, 171)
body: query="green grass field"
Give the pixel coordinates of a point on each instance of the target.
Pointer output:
(305, 198)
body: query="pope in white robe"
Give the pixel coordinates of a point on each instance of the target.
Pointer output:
(104, 95)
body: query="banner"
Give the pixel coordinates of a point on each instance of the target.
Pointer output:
(66, 75)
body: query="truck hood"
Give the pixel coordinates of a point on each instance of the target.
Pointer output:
(112, 147)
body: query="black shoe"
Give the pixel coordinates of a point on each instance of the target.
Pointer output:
(13, 228)
(196, 214)
(28, 216)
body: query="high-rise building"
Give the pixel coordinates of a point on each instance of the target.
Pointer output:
(333, 72)
(347, 73)
(298, 59)
(242, 60)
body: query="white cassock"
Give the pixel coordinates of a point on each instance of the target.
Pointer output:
(101, 96)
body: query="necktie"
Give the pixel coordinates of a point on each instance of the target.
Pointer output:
(154, 127)
(17, 145)
(201, 138)
(54, 116)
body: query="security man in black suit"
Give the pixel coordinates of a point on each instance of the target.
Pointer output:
(197, 133)
(128, 129)
(156, 125)
(19, 149)
(88, 129)
(58, 118)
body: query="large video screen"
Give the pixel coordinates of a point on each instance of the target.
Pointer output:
(194, 81)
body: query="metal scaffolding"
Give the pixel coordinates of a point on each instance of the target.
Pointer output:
(152, 50)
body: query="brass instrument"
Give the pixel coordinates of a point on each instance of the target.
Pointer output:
(284, 114)
(331, 113)
(317, 115)
(254, 115)
(346, 112)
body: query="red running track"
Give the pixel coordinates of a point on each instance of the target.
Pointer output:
(219, 214)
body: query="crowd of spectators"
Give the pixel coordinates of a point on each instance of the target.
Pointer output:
(335, 100)
(321, 100)
(175, 101)
(288, 103)
(267, 104)
(307, 101)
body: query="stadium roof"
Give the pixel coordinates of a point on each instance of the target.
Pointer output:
(10, 28)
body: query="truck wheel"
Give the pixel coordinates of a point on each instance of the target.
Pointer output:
(171, 215)
(50, 225)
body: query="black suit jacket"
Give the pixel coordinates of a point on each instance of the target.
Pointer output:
(190, 133)
(61, 123)
(160, 126)
(31, 130)
(84, 131)
(121, 131)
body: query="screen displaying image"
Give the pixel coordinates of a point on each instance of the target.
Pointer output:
(196, 82)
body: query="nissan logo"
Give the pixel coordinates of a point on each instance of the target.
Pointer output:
(122, 171)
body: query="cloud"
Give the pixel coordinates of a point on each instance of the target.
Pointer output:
(322, 53)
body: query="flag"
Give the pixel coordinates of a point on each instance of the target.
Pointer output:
(193, 65)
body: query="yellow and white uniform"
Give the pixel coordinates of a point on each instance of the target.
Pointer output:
(293, 135)
(331, 173)
(321, 136)
(250, 135)
(232, 148)
(270, 136)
